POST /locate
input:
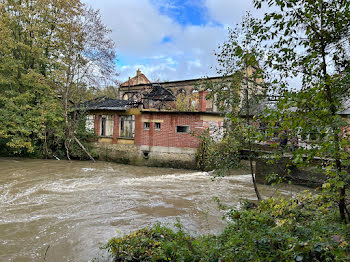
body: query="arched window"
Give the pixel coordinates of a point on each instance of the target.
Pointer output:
(125, 97)
(181, 91)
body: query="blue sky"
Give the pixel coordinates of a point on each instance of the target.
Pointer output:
(184, 12)
(169, 39)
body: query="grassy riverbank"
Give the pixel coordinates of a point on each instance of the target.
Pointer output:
(301, 229)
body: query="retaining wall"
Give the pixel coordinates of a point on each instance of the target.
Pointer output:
(156, 156)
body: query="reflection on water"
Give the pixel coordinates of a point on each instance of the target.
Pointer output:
(73, 207)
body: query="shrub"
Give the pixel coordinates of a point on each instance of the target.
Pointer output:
(301, 229)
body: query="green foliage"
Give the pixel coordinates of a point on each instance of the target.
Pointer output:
(47, 49)
(300, 229)
(160, 243)
(83, 135)
(219, 155)
(186, 102)
(310, 40)
(239, 92)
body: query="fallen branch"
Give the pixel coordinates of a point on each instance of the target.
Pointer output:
(67, 150)
(46, 252)
(81, 145)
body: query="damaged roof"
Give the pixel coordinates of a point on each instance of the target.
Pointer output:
(104, 103)
(159, 93)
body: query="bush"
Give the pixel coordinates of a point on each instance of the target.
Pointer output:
(302, 229)
(220, 155)
(159, 243)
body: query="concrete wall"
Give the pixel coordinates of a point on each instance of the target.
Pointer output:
(156, 156)
(310, 177)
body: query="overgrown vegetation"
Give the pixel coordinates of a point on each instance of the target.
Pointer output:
(300, 229)
(310, 40)
(51, 53)
(216, 154)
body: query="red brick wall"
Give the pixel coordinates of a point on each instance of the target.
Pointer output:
(167, 135)
(97, 124)
(115, 128)
(202, 105)
(138, 130)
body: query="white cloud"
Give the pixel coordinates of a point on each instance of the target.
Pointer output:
(136, 25)
(228, 12)
(138, 29)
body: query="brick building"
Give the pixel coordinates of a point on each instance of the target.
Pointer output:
(149, 136)
(135, 86)
(139, 84)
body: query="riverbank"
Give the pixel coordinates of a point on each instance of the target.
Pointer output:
(301, 229)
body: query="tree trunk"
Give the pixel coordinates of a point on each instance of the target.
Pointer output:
(335, 129)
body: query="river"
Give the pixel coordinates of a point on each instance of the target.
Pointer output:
(67, 209)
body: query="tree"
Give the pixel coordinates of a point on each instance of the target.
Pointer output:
(186, 102)
(310, 40)
(109, 91)
(87, 60)
(50, 51)
(239, 92)
(29, 110)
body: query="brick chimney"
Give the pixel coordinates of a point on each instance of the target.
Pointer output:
(138, 72)
(202, 106)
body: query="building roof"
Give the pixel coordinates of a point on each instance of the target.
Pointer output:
(104, 103)
(159, 93)
(163, 111)
(139, 79)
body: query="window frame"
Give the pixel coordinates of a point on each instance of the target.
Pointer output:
(183, 126)
(127, 122)
(146, 123)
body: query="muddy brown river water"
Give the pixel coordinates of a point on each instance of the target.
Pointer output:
(67, 209)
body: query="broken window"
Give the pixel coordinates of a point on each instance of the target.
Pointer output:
(182, 129)
(103, 126)
(127, 126)
(107, 125)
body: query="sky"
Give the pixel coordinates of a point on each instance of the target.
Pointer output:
(169, 39)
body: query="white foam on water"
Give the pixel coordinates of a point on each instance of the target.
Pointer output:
(165, 178)
(40, 193)
(88, 169)
(73, 185)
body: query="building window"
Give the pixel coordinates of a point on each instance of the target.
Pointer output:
(106, 125)
(103, 126)
(125, 97)
(127, 126)
(157, 126)
(89, 124)
(147, 125)
(182, 129)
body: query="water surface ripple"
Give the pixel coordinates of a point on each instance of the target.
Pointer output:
(74, 206)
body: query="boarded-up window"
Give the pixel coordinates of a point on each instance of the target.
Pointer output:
(89, 124)
(127, 126)
(107, 125)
